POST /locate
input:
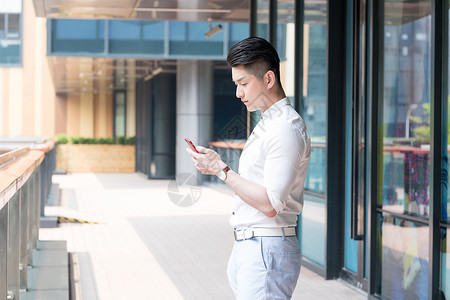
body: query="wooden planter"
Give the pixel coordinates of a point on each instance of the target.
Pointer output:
(75, 158)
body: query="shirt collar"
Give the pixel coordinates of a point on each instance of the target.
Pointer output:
(274, 108)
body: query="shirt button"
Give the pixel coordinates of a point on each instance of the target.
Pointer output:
(232, 213)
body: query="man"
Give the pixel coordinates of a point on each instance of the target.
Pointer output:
(265, 261)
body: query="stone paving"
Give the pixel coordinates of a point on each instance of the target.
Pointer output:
(146, 247)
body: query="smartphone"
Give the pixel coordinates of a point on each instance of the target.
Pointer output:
(191, 144)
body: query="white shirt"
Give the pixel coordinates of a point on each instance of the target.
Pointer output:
(276, 156)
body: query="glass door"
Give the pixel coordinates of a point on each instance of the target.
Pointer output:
(356, 116)
(402, 208)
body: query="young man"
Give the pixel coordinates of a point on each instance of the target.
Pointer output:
(265, 262)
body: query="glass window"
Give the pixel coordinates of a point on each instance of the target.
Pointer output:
(313, 108)
(124, 30)
(2, 26)
(119, 113)
(10, 39)
(188, 38)
(238, 32)
(445, 263)
(406, 109)
(262, 26)
(139, 37)
(153, 31)
(405, 177)
(13, 26)
(72, 36)
(445, 207)
(445, 162)
(404, 259)
(285, 44)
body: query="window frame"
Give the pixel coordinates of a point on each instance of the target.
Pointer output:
(6, 38)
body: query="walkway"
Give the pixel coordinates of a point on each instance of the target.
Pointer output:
(146, 247)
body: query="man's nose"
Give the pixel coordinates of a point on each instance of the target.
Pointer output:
(239, 93)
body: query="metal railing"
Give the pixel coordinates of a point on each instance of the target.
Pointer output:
(25, 179)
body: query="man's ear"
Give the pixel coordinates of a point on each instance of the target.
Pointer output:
(270, 79)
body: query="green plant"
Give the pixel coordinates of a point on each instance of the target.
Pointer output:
(422, 130)
(130, 140)
(121, 140)
(109, 141)
(62, 138)
(75, 140)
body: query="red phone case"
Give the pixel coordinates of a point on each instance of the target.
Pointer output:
(191, 144)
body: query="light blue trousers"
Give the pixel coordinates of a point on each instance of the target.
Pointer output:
(264, 268)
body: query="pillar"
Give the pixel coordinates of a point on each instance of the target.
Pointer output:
(194, 115)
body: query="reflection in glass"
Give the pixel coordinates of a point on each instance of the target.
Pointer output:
(188, 38)
(2, 26)
(404, 259)
(119, 114)
(262, 24)
(238, 32)
(72, 36)
(13, 26)
(143, 37)
(445, 263)
(285, 45)
(10, 40)
(445, 205)
(313, 109)
(406, 108)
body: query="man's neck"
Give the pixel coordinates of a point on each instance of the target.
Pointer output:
(274, 99)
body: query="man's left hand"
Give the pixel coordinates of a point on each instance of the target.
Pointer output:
(208, 161)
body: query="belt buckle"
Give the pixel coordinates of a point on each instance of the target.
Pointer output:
(240, 235)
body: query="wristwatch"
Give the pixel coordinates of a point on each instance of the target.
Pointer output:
(222, 174)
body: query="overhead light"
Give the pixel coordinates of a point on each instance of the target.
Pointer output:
(213, 30)
(183, 10)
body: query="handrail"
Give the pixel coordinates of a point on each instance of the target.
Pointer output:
(16, 167)
(223, 144)
(14, 175)
(12, 155)
(25, 178)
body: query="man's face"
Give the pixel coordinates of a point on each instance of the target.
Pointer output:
(251, 90)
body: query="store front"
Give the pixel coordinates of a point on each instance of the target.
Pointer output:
(371, 81)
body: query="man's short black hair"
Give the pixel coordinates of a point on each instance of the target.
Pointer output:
(257, 56)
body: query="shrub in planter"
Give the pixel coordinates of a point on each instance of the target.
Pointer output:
(62, 138)
(121, 140)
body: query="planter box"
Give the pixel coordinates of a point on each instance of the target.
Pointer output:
(95, 158)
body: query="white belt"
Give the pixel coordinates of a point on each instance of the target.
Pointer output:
(248, 233)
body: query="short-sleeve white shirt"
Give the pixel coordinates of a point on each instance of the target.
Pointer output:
(276, 156)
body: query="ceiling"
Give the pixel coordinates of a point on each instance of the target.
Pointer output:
(89, 75)
(181, 10)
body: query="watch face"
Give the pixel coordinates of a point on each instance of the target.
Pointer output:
(222, 176)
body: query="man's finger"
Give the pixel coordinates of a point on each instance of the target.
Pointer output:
(203, 149)
(192, 153)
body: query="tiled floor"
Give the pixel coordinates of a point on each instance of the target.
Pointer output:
(146, 247)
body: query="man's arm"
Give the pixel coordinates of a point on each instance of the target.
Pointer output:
(209, 162)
